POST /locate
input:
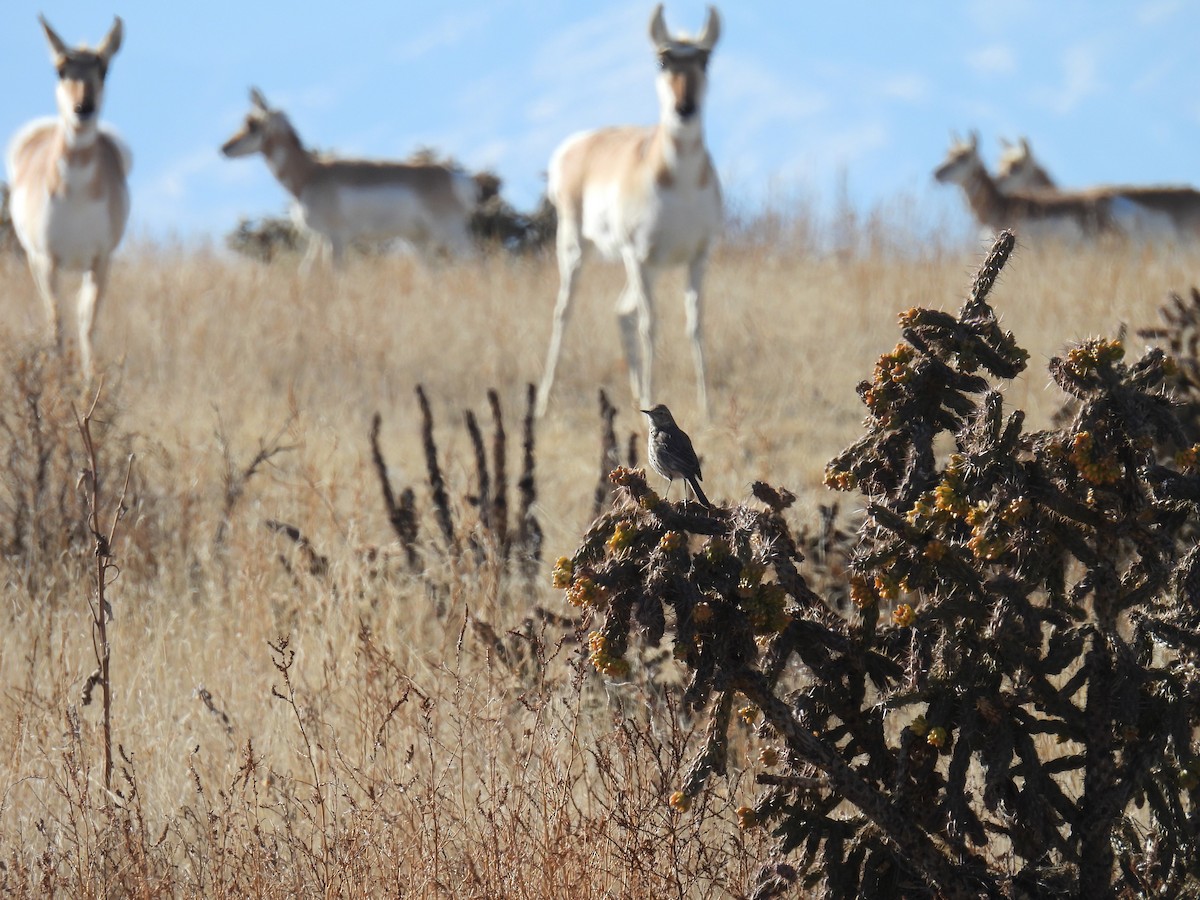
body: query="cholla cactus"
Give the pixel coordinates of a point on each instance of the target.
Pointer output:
(1025, 584)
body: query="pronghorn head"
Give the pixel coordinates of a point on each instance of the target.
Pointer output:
(962, 160)
(683, 65)
(1016, 161)
(262, 123)
(81, 73)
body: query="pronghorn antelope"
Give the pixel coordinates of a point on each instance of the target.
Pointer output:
(341, 200)
(69, 198)
(648, 196)
(1165, 210)
(1031, 213)
(1019, 171)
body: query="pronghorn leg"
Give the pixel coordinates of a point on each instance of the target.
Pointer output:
(635, 314)
(695, 329)
(570, 260)
(316, 247)
(90, 293)
(337, 253)
(45, 277)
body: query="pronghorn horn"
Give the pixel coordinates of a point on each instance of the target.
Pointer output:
(1006, 143)
(58, 48)
(112, 41)
(658, 27)
(712, 30)
(257, 98)
(1025, 145)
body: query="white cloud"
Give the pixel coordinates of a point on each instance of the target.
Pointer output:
(448, 32)
(1152, 80)
(909, 88)
(1157, 11)
(748, 88)
(1081, 79)
(996, 59)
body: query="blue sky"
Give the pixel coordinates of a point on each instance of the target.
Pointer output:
(802, 93)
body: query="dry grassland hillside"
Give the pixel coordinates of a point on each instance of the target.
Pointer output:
(338, 722)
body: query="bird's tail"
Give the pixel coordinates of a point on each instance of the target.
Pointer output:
(695, 483)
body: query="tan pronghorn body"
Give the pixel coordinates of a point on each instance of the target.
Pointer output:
(69, 198)
(1032, 213)
(647, 196)
(1138, 212)
(342, 200)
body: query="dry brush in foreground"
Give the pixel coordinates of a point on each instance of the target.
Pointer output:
(299, 708)
(1022, 585)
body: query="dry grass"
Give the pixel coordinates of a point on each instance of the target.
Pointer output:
(386, 748)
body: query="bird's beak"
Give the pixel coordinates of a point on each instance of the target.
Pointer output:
(646, 411)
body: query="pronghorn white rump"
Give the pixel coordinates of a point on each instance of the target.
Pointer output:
(68, 193)
(647, 196)
(1160, 211)
(342, 200)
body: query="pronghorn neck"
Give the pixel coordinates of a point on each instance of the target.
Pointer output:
(983, 194)
(680, 147)
(288, 160)
(78, 136)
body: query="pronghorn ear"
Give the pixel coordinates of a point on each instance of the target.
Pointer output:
(974, 139)
(658, 27)
(58, 50)
(1025, 146)
(112, 41)
(712, 30)
(1006, 144)
(258, 99)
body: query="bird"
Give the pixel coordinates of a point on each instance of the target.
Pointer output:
(671, 453)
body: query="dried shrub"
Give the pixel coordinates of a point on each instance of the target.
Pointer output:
(43, 511)
(8, 234)
(496, 535)
(266, 239)
(1009, 706)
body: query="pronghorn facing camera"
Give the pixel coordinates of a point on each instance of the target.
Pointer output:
(647, 196)
(1033, 213)
(1019, 171)
(341, 200)
(69, 199)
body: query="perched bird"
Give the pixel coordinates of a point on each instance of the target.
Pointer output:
(671, 453)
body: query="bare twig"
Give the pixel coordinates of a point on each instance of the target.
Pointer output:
(98, 603)
(609, 458)
(318, 564)
(402, 515)
(500, 473)
(237, 479)
(437, 484)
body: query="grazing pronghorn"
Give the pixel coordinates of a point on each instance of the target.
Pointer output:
(69, 199)
(1139, 212)
(648, 196)
(341, 200)
(1019, 171)
(1037, 214)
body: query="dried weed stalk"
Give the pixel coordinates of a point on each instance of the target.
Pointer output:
(104, 572)
(498, 535)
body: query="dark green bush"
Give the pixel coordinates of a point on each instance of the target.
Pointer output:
(1009, 705)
